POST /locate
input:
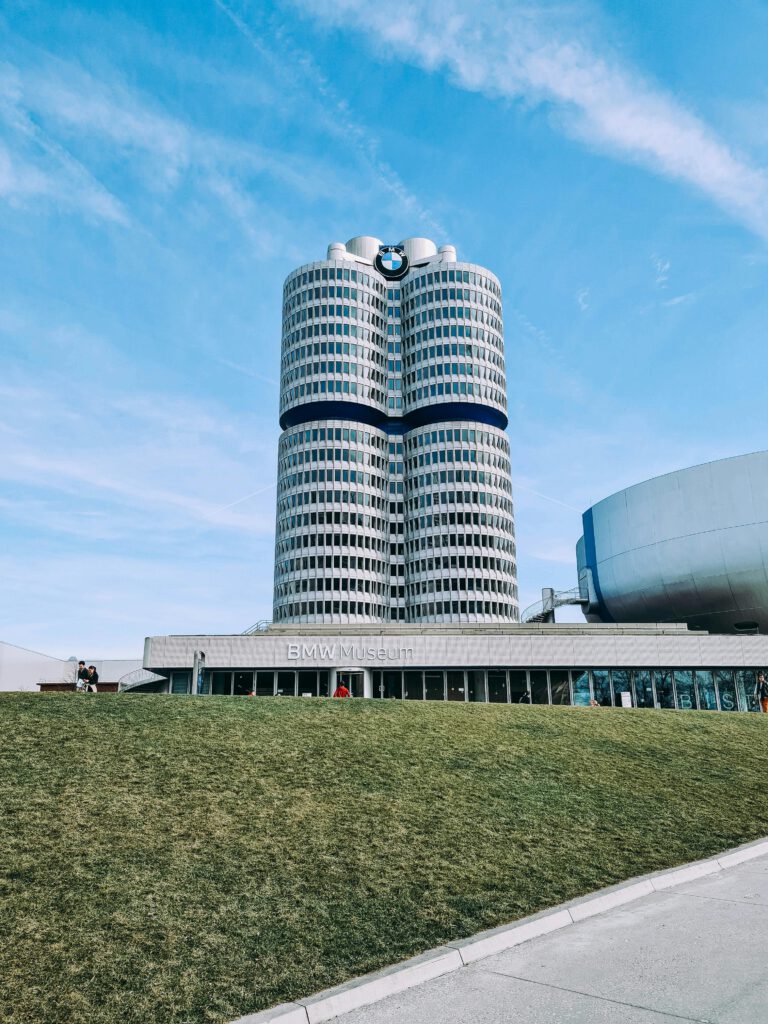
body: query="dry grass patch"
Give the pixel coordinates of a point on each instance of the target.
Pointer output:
(181, 860)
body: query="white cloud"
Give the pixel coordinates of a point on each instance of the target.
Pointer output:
(297, 68)
(519, 51)
(63, 182)
(679, 300)
(662, 268)
(156, 461)
(582, 297)
(115, 517)
(52, 108)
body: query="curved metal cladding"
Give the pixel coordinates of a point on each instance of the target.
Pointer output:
(690, 546)
(394, 489)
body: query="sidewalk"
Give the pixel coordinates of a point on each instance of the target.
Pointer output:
(698, 952)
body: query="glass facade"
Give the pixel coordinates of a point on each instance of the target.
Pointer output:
(721, 689)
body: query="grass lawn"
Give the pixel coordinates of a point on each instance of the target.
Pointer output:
(170, 859)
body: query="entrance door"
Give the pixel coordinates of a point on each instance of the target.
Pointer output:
(353, 682)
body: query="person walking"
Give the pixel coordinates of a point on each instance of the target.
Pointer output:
(761, 692)
(341, 691)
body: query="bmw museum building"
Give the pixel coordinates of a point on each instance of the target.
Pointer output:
(395, 557)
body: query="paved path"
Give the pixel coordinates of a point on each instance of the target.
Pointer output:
(698, 952)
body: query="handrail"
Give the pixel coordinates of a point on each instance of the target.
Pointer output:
(556, 599)
(258, 627)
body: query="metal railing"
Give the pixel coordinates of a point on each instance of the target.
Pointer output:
(258, 627)
(544, 610)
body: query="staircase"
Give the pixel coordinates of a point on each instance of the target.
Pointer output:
(544, 610)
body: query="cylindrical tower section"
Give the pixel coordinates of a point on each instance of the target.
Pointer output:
(453, 343)
(459, 524)
(334, 343)
(332, 536)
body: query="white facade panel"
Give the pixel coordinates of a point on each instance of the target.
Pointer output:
(21, 669)
(459, 650)
(595, 651)
(753, 651)
(686, 650)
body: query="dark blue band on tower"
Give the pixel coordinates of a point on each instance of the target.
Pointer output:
(440, 412)
(332, 411)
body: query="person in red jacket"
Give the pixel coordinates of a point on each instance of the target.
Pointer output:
(341, 691)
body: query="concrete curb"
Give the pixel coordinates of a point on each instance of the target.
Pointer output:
(445, 959)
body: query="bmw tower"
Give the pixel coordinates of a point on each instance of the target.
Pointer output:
(394, 495)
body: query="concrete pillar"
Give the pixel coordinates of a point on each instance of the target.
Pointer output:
(548, 601)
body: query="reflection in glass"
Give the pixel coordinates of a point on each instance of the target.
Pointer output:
(665, 691)
(323, 683)
(745, 686)
(222, 683)
(308, 684)
(518, 685)
(455, 684)
(601, 684)
(561, 689)
(726, 690)
(265, 684)
(497, 686)
(286, 684)
(581, 692)
(476, 684)
(180, 681)
(644, 688)
(686, 691)
(705, 684)
(393, 685)
(539, 688)
(414, 688)
(434, 685)
(243, 683)
(622, 683)
(354, 682)
(205, 683)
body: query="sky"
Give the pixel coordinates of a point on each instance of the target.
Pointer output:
(164, 166)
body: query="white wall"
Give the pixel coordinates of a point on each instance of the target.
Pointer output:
(21, 669)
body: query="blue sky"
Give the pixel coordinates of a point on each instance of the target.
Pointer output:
(164, 166)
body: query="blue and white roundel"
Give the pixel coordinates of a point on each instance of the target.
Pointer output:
(392, 262)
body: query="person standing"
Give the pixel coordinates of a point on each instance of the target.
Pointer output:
(81, 681)
(93, 678)
(761, 692)
(341, 691)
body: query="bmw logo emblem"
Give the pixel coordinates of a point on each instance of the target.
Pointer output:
(392, 262)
